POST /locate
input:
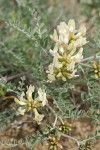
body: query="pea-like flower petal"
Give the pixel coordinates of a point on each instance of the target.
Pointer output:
(38, 118)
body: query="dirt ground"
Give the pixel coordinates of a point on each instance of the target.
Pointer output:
(80, 128)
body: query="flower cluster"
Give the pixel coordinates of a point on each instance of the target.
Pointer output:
(96, 67)
(65, 127)
(28, 103)
(67, 50)
(53, 143)
(87, 146)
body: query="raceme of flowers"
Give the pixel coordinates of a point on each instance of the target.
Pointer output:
(67, 52)
(65, 127)
(54, 143)
(88, 145)
(28, 103)
(96, 67)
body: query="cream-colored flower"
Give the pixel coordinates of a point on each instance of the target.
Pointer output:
(29, 92)
(54, 37)
(71, 25)
(77, 43)
(22, 101)
(61, 49)
(56, 62)
(30, 104)
(42, 96)
(64, 38)
(74, 74)
(81, 31)
(52, 52)
(59, 75)
(63, 78)
(38, 118)
(62, 28)
(81, 41)
(72, 45)
(63, 33)
(78, 57)
(67, 50)
(51, 73)
(51, 77)
(21, 111)
(71, 66)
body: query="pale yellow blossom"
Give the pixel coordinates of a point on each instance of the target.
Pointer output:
(42, 96)
(21, 111)
(62, 28)
(29, 92)
(30, 104)
(22, 101)
(81, 31)
(54, 37)
(38, 118)
(71, 66)
(71, 25)
(78, 57)
(67, 52)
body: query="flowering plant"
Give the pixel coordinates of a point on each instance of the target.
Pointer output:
(71, 81)
(31, 104)
(67, 51)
